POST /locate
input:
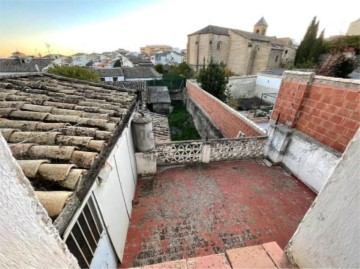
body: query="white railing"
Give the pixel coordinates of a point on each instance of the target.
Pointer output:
(209, 151)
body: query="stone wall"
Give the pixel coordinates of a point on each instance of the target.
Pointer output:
(239, 54)
(202, 122)
(242, 87)
(228, 121)
(328, 236)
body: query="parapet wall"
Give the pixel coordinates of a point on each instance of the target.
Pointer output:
(313, 121)
(228, 121)
(326, 109)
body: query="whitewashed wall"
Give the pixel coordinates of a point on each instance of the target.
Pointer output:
(267, 84)
(329, 235)
(116, 193)
(27, 236)
(309, 160)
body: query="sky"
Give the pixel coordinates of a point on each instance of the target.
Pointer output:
(70, 26)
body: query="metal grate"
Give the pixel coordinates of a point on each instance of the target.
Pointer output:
(85, 233)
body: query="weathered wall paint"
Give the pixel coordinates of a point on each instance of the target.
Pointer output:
(27, 237)
(309, 160)
(328, 236)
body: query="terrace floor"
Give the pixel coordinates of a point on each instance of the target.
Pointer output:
(200, 210)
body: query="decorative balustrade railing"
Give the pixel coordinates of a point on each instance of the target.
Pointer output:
(209, 151)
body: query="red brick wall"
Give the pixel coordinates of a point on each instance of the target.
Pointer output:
(325, 109)
(223, 117)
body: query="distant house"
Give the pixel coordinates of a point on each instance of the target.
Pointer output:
(151, 49)
(80, 59)
(140, 73)
(242, 52)
(111, 74)
(138, 61)
(158, 99)
(354, 28)
(168, 57)
(23, 65)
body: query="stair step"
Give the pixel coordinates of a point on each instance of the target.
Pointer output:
(268, 255)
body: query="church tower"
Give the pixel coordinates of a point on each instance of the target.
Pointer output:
(260, 27)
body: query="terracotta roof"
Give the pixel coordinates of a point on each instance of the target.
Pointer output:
(16, 65)
(158, 94)
(160, 127)
(110, 72)
(60, 131)
(140, 72)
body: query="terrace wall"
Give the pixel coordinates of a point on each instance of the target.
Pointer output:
(314, 119)
(228, 121)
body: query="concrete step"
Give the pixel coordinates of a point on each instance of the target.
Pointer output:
(268, 255)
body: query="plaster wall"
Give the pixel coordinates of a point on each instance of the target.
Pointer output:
(310, 161)
(328, 236)
(242, 87)
(146, 163)
(267, 84)
(27, 235)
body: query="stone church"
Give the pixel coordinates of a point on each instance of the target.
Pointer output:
(242, 52)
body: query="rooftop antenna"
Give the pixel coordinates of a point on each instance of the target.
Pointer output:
(48, 47)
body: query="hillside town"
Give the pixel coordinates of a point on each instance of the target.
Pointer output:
(239, 150)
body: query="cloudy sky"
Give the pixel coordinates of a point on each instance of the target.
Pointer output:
(70, 26)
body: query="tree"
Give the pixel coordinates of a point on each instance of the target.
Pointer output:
(159, 68)
(213, 80)
(78, 72)
(338, 64)
(182, 69)
(310, 47)
(117, 63)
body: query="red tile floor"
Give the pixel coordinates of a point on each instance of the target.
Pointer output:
(200, 210)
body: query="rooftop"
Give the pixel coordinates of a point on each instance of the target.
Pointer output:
(18, 65)
(110, 72)
(158, 94)
(60, 131)
(199, 210)
(218, 30)
(140, 72)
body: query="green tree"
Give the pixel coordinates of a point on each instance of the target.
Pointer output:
(117, 63)
(182, 69)
(78, 72)
(159, 68)
(339, 63)
(213, 80)
(310, 47)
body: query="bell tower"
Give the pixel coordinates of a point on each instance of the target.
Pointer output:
(260, 27)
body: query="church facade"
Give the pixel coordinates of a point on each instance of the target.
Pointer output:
(242, 52)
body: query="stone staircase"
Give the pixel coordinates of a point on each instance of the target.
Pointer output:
(268, 255)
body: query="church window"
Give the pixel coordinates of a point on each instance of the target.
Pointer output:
(219, 45)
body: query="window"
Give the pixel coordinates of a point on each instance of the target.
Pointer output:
(115, 79)
(257, 31)
(219, 45)
(102, 79)
(85, 234)
(286, 51)
(276, 59)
